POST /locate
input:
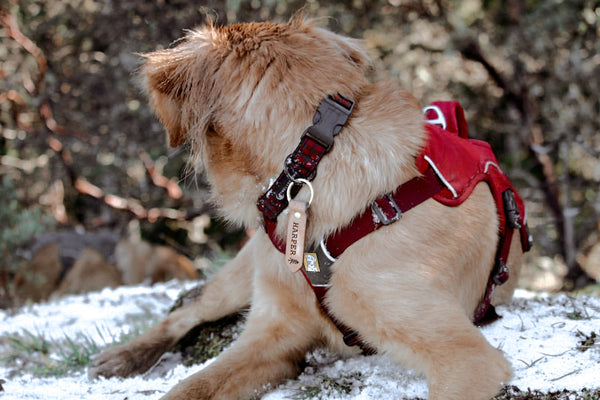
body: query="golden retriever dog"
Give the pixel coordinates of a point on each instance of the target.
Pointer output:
(240, 97)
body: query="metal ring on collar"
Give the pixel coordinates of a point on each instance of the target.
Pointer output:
(300, 181)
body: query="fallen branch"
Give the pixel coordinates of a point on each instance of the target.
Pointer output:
(9, 21)
(47, 117)
(173, 189)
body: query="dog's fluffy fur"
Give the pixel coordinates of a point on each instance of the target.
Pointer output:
(241, 96)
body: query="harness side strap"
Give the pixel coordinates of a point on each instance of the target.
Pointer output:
(486, 313)
(351, 337)
(385, 210)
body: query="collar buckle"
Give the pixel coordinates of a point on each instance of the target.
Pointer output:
(329, 119)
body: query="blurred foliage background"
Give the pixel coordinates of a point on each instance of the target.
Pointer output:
(79, 146)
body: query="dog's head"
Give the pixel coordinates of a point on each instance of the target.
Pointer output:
(241, 95)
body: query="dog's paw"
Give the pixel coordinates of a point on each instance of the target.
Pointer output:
(125, 360)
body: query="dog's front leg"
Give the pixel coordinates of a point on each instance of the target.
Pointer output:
(284, 322)
(228, 292)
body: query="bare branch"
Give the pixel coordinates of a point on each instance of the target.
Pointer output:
(173, 189)
(9, 21)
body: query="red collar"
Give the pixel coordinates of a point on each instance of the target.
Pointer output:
(331, 115)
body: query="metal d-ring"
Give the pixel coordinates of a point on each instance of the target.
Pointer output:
(300, 181)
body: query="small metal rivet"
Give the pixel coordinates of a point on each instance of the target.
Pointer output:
(297, 215)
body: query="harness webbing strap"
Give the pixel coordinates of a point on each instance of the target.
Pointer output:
(351, 337)
(486, 312)
(385, 210)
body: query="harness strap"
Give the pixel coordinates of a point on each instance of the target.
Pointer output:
(302, 163)
(486, 312)
(385, 210)
(351, 337)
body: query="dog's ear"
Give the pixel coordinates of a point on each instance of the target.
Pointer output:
(174, 81)
(352, 49)
(163, 81)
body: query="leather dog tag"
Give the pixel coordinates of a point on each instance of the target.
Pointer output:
(296, 231)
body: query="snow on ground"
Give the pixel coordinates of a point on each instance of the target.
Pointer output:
(542, 336)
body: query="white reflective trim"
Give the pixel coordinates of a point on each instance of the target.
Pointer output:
(487, 164)
(440, 120)
(326, 252)
(439, 174)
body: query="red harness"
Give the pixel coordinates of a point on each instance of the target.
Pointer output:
(451, 164)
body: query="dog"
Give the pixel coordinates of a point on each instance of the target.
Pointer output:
(241, 96)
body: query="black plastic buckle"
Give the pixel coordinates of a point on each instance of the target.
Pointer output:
(511, 211)
(329, 119)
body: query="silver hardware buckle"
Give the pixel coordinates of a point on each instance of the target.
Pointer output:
(381, 215)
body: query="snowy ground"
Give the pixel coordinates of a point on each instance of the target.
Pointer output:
(542, 336)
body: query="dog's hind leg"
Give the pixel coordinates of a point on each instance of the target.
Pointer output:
(227, 293)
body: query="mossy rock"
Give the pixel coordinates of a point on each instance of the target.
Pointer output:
(208, 340)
